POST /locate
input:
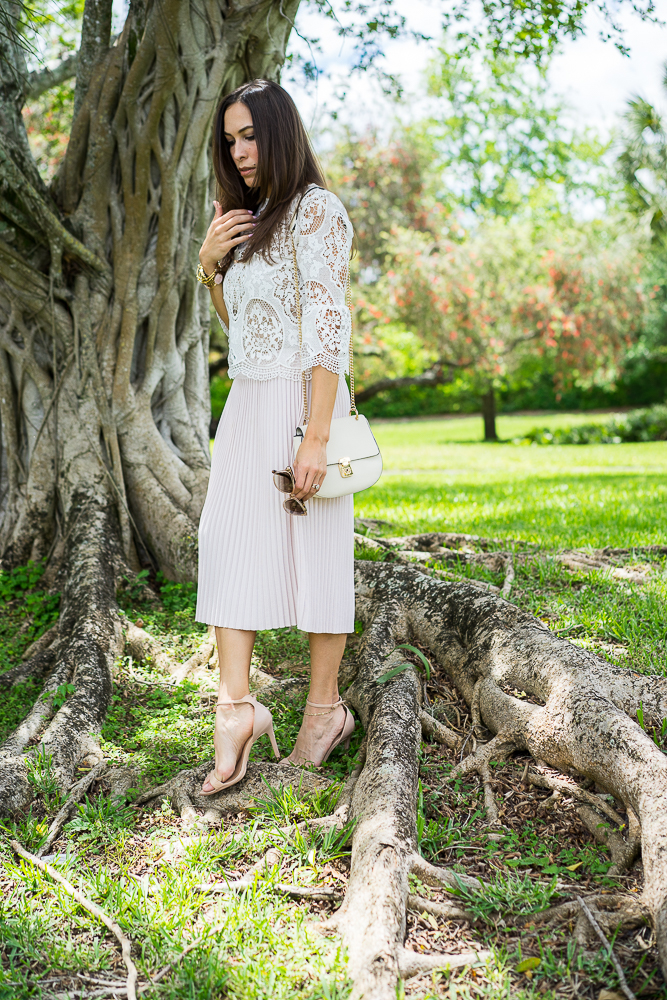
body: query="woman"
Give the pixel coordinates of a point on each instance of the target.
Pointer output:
(265, 562)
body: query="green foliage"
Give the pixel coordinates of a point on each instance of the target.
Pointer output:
(63, 692)
(642, 425)
(501, 138)
(42, 776)
(366, 552)
(275, 646)
(16, 703)
(510, 291)
(433, 835)
(177, 596)
(134, 588)
(507, 893)
(385, 185)
(29, 611)
(423, 663)
(102, 820)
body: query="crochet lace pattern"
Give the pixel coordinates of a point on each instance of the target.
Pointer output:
(261, 300)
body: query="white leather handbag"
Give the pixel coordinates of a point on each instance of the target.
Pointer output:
(354, 461)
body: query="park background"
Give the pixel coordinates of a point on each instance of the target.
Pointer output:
(510, 218)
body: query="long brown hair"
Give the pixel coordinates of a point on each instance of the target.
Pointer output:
(286, 163)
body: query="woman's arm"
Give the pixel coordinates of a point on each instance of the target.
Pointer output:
(323, 252)
(225, 232)
(310, 464)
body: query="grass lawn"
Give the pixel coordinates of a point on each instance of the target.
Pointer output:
(258, 945)
(439, 476)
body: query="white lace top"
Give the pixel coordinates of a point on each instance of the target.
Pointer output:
(261, 301)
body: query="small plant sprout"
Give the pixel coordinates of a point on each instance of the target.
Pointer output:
(395, 671)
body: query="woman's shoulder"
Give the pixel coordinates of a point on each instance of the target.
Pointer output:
(317, 205)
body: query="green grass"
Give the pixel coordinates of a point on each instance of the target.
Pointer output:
(439, 476)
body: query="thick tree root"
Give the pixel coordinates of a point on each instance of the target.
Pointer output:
(623, 852)
(372, 919)
(584, 723)
(184, 790)
(66, 718)
(35, 668)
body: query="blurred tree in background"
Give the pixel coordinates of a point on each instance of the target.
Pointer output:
(476, 275)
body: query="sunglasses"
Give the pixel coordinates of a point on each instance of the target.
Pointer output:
(284, 481)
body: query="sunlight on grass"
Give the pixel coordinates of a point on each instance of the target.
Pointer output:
(438, 478)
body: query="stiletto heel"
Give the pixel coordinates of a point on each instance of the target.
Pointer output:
(274, 745)
(262, 726)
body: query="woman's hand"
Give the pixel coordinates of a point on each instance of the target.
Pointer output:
(225, 232)
(310, 466)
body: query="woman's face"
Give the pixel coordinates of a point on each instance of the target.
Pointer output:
(240, 138)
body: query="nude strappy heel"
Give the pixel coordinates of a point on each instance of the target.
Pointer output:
(343, 736)
(262, 726)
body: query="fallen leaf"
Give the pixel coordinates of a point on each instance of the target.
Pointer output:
(609, 995)
(528, 964)
(573, 868)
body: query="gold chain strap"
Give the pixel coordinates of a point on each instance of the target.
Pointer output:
(298, 315)
(348, 302)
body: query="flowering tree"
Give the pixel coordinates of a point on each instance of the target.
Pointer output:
(483, 303)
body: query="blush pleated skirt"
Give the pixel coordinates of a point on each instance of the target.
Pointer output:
(260, 567)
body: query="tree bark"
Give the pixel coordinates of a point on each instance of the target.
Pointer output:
(104, 401)
(489, 414)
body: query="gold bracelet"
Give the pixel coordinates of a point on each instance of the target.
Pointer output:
(206, 279)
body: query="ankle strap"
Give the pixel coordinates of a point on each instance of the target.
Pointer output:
(328, 708)
(247, 698)
(314, 704)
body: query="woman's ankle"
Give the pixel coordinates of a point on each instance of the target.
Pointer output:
(325, 699)
(231, 691)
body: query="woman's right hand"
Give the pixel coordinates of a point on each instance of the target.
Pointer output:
(225, 232)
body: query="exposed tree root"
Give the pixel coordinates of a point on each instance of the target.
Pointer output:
(68, 715)
(444, 911)
(184, 790)
(142, 646)
(411, 964)
(623, 852)
(88, 904)
(372, 919)
(434, 730)
(198, 659)
(33, 669)
(584, 724)
(569, 787)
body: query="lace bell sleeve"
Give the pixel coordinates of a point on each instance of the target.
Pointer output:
(323, 242)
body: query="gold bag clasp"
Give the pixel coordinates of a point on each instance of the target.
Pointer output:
(345, 468)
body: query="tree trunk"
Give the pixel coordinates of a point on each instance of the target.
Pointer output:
(489, 414)
(104, 401)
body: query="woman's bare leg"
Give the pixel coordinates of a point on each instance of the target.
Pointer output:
(319, 727)
(233, 723)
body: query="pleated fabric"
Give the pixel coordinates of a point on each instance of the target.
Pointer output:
(260, 567)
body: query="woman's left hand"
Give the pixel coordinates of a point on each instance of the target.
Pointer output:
(310, 466)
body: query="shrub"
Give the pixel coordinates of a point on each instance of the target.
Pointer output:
(640, 425)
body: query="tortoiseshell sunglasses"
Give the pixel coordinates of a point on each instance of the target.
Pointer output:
(285, 482)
